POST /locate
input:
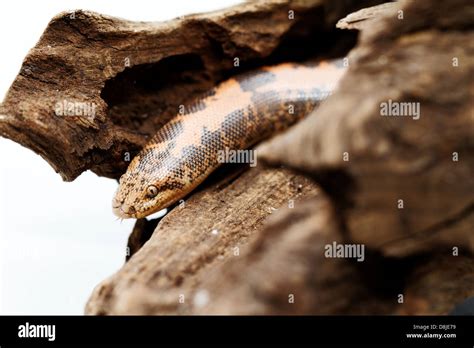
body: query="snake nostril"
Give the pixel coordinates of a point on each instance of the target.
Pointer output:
(116, 203)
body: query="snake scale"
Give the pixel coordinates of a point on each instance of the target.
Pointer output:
(237, 114)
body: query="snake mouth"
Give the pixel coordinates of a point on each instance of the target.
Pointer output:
(131, 213)
(119, 211)
(123, 210)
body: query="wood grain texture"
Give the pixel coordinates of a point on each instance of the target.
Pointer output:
(137, 74)
(194, 239)
(399, 158)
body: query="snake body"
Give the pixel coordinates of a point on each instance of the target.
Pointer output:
(235, 115)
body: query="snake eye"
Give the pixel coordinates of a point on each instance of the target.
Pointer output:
(151, 191)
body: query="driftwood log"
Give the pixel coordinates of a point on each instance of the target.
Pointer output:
(135, 75)
(252, 241)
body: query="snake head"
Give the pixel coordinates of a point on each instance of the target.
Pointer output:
(143, 190)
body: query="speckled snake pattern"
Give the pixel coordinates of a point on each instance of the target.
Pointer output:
(236, 115)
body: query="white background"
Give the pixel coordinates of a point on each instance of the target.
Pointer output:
(58, 240)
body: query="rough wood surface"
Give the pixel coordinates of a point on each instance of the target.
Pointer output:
(299, 279)
(388, 159)
(194, 239)
(359, 19)
(136, 74)
(437, 284)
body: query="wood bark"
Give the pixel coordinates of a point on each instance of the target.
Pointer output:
(129, 78)
(411, 179)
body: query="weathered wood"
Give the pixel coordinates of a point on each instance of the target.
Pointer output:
(284, 270)
(437, 284)
(409, 181)
(192, 241)
(94, 88)
(360, 19)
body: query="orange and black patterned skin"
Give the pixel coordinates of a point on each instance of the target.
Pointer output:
(235, 115)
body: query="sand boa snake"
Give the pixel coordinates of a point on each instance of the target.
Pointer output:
(237, 114)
